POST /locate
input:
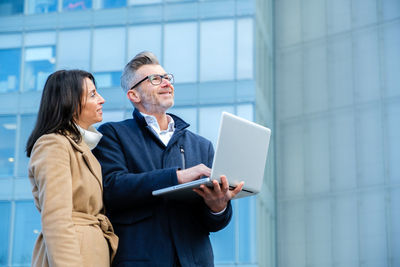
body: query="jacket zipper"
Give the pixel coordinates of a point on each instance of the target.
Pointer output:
(182, 157)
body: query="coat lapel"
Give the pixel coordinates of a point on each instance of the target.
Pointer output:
(90, 160)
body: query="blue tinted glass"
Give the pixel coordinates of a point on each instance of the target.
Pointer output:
(107, 79)
(39, 64)
(113, 3)
(27, 124)
(73, 5)
(11, 7)
(247, 226)
(5, 211)
(40, 6)
(27, 228)
(9, 69)
(223, 243)
(8, 127)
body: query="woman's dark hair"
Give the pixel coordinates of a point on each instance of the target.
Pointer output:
(60, 105)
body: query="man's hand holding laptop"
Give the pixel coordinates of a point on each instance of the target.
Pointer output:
(215, 197)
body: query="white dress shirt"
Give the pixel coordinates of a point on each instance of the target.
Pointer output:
(164, 135)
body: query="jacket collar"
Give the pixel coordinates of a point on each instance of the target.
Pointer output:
(90, 160)
(180, 125)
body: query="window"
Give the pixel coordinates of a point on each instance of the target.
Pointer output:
(5, 210)
(73, 5)
(188, 114)
(108, 49)
(223, 242)
(9, 69)
(209, 119)
(180, 51)
(39, 64)
(11, 7)
(216, 50)
(244, 51)
(143, 2)
(74, 49)
(107, 79)
(27, 124)
(152, 42)
(113, 3)
(26, 231)
(42, 6)
(8, 126)
(246, 239)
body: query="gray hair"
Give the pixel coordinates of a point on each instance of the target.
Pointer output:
(128, 76)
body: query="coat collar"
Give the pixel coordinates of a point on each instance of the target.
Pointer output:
(89, 158)
(180, 125)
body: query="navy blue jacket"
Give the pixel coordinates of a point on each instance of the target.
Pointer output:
(152, 230)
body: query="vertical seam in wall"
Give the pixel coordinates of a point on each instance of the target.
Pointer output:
(356, 143)
(385, 148)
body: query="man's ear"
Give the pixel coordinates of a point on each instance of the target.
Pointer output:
(133, 96)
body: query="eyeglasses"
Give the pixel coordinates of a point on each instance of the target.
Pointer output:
(156, 79)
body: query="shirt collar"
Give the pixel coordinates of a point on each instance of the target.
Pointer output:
(152, 121)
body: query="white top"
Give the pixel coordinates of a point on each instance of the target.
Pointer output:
(90, 136)
(164, 135)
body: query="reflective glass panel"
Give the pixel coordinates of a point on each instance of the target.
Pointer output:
(9, 69)
(5, 211)
(244, 51)
(209, 119)
(216, 50)
(143, 2)
(223, 242)
(42, 38)
(27, 124)
(11, 7)
(42, 6)
(73, 5)
(108, 49)
(189, 115)
(74, 49)
(112, 115)
(8, 126)
(27, 228)
(113, 3)
(107, 79)
(39, 64)
(152, 42)
(181, 37)
(246, 208)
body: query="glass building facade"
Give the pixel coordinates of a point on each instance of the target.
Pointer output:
(209, 46)
(324, 75)
(338, 126)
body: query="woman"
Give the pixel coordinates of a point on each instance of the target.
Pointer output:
(66, 177)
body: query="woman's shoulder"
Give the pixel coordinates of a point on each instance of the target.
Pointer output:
(52, 140)
(53, 137)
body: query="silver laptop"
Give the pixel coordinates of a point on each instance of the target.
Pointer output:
(241, 154)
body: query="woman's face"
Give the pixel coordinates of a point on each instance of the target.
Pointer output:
(91, 105)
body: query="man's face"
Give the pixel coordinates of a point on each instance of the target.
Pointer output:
(149, 98)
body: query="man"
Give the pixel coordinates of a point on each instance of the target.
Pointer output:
(152, 151)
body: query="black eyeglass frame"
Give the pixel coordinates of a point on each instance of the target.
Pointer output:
(151, 80)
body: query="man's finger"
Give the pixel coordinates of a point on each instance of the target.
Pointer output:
(206, 190)
(237, 189)
(199, 192)
(225, 184)
(217, 188)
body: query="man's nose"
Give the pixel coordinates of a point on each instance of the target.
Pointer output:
(165, 82)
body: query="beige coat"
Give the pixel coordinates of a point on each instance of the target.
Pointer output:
(67, 190)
